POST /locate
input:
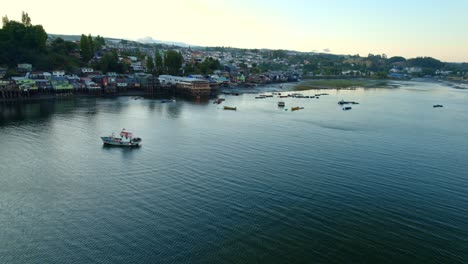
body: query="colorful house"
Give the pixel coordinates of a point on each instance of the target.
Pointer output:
(26, 84)
(61, 84)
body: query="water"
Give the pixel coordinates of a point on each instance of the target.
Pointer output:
(386, 182)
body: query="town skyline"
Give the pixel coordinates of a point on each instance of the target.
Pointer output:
(338, 27)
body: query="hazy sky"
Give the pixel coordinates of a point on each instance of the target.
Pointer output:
(407, 28)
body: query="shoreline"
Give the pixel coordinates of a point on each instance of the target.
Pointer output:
(38, 97)
(303, 85)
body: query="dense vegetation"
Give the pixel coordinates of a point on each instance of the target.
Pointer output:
(21, 42)
(208, 66)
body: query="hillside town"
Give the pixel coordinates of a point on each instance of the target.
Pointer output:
(231, 70)
(66, 65)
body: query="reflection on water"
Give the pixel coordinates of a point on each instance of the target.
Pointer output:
(382, 183)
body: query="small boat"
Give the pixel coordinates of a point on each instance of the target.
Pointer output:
(296, 108)
(125, 139)
(346, 108)
(167, 101)
(438, 105)
(283, 96)
(218, 101)
(342, 102)
(230, 108)
(281, 104)
(260, 97)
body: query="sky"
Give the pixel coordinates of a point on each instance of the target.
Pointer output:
(410, 28)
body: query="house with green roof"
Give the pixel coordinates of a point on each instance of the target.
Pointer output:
(61, 84)
(26, 84)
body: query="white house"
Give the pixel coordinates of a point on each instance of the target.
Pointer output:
(414, 70)
(58, 73)
(87, 70)
(133, 58)
(442, 72)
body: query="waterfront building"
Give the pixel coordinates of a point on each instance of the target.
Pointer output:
(186, 85)
(58, 73)
(86, 70)
(61, 84)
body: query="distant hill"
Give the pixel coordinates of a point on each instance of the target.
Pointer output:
(150, 40)
(145, 40)
(65, 37)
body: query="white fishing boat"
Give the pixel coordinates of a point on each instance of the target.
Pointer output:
(125, 139)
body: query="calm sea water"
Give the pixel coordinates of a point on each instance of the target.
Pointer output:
(386, 182)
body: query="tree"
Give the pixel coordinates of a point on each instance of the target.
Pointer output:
(396, 59)
(91, 45)
(173, 62)
(381, 75)
(149, 64)
(109, 62)
(158, 62)
(21, 42)
(84, 46)
(98, 43)
(426, 62)
(5, 20)
(25, 19)
(209, 65)
(38, 37)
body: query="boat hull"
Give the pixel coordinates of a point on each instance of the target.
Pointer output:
(230, 108)
(113, 142)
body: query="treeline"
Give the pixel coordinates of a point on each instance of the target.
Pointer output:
(172, 62)
(22, 42)
(208, 66)
(169, 62)
(89, 46)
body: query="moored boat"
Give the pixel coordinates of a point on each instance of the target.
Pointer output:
(218, 101)
(281, 104)
(296, 108)
(230, 108)
(347, 108)
(343, 102)
(125, 139)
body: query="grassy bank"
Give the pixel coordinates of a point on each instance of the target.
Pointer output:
(340, 84)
